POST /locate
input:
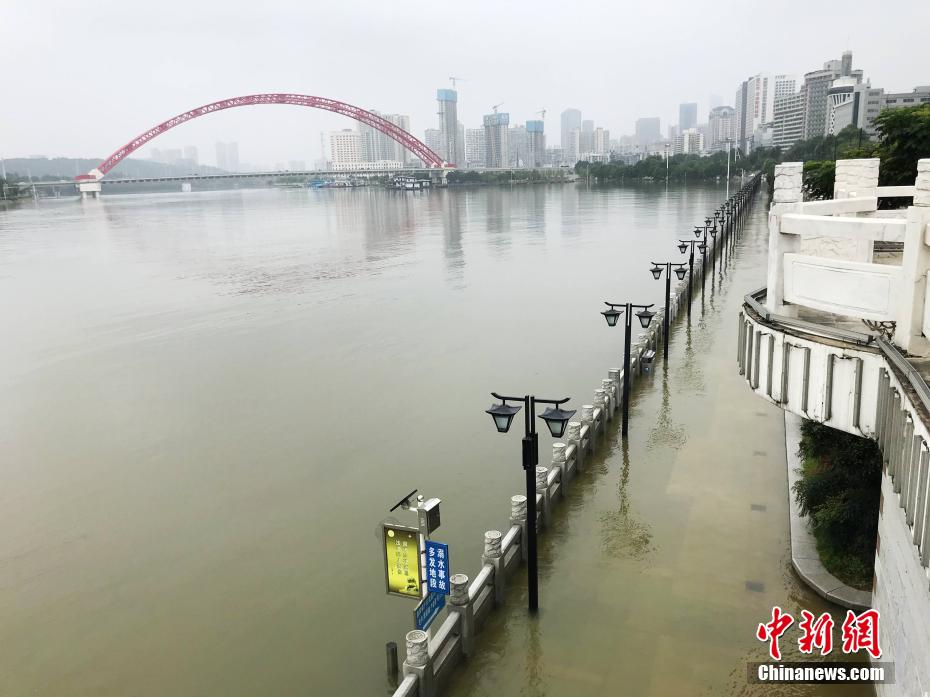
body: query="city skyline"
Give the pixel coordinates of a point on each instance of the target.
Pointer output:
(158, 84)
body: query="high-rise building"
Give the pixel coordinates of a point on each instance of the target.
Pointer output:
(587, 136)
(857, 104)
(535, 144)
(648, 130)
(496, 132)
(517, 145)
(571, 119)
(755, 106)
(788, 126)
(689, 142)
(460, 144)
(448, 124)
(432, 137)
(601, 141)
(760, 104)
(345, 148)
(687, 116)
(740, 111)
(377, 146)
(190, 154)
(816, 85)
(721, 127)
(474, 147)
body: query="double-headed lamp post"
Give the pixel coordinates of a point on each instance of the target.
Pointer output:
(612, 314)
(657, 274)
(683, 248)
(556, 419)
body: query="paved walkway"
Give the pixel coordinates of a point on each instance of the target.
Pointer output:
(672, 548)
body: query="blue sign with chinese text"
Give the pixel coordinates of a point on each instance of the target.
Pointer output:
(427, 610)
(437, 567)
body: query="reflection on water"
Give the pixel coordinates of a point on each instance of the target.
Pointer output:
(623, 536)
(667, 432)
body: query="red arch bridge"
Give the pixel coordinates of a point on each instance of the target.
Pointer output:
(90, 182)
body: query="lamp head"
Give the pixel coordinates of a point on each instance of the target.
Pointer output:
(502, 414)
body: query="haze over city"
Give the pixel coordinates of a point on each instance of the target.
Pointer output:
(118, 71)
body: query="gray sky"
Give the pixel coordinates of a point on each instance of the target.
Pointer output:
(82, 78)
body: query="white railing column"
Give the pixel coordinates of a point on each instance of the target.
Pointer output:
(787, 199)
(418, 662)
(855, 179)
(518, 517)
(916, 264)
(542, 488)
(573, 436)
(492, 555)
(458, 601)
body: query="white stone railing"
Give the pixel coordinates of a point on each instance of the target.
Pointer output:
(821, 252)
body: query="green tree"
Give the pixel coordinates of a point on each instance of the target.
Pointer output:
(840, 492)
(904, 138)
(819, 176)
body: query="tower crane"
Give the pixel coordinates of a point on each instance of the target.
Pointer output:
(494, 108)
(453, 78)
(543, 112)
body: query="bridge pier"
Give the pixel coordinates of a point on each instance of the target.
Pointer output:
(90, 189)
(89, 185)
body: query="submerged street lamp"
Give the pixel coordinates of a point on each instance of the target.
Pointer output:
(683, 248)
(556, 419)
(657, 274)
(612, 315)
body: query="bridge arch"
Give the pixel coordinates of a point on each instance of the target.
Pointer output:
(413, 144)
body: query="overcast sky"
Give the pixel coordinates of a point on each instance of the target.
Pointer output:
(82, 78)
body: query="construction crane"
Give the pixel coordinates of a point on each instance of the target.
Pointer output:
(494, 108)
(453, 78)
(543, 112)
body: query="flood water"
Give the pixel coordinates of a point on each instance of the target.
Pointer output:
(210, 401)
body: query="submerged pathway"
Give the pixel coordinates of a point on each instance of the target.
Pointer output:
(673, 546)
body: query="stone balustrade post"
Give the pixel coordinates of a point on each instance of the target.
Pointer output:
(587, 418)
(419, 663)
(458, 601)
(610, 388)
(559, 460)
(600, 402)
(518, 517)
(573, 436)
(542, 488)
(915, 266)
(787, 199)
(492, 555)
(616, 375)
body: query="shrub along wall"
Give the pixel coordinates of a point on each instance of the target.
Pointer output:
(840, 490)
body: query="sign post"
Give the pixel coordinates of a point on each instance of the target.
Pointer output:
(437, 567)
(402, 569)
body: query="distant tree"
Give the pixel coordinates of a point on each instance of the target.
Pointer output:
(818, 179)
(904, 138)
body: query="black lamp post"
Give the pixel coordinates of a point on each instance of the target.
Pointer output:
(612, 314)
(657, 274)
(683, 248)
(701, 234)
(556, 419)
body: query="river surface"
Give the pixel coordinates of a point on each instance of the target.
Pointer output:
(210, 401)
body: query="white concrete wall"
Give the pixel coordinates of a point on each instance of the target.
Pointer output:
(854, 289)
(901, 591)
(902, 599)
